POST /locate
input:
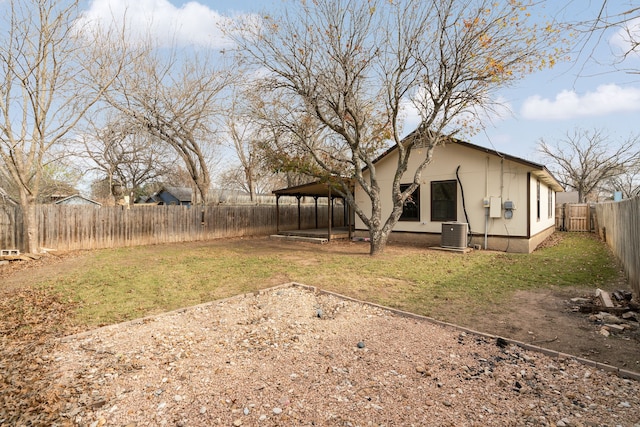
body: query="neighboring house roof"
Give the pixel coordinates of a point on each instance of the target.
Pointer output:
(181, 193)
(538, 170)
(77, 199)
(168, 196)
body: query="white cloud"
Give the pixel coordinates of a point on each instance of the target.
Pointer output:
(607, 99)
(191, 24)
(625, 39)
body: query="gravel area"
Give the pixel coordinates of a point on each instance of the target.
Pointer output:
(294, 356)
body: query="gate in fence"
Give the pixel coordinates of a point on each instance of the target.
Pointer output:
(576, 217)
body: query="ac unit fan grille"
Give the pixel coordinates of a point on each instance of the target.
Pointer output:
(454, 235)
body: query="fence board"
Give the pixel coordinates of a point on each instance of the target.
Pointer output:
(9, 234)
(619, 226)
(575, 217)
(69, 227)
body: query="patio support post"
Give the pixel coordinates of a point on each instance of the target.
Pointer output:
(298, 196)
(347, 208)
(315, 198)
(277, 214)
(329, 215)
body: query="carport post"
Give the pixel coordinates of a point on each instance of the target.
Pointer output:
(329, 215)
(277, 214)
(315, 198)
(298, 196)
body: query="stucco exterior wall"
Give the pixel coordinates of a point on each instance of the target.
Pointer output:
(482, 176)
(544, 219)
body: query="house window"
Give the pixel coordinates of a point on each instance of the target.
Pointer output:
(411, 207)
(444, 200)
(538, 199)
(550, 202)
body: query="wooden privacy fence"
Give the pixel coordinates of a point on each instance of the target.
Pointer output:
(619, 226)
(575, 217)
(10, 227)
(65, 227)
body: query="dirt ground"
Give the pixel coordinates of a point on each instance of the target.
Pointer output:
(546, 318)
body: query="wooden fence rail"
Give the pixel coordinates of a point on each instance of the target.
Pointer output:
(619, 226)
(575, 217)
(65, 227)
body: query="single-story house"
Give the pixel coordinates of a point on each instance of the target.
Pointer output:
(77, 199)
(169, 196)
(508, 203)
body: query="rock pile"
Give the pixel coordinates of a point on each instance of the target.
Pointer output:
(613, 313)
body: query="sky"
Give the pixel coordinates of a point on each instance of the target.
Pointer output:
(584, 93)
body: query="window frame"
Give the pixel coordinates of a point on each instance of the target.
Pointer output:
(538, 210)
(453, 208)
(415, 197)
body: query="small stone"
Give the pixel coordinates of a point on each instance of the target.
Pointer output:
(284, 401)
(277, 410)
(319, 313)
(237, 423)
(246, 411)
(421, 369)
(614, 328)
(604, 332)
(580, 300)
(203, 410)
(446, 403)
(360, 344)
(262, 417)
(624, 405)
(177, 398)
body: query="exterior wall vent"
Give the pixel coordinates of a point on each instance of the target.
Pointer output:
(454, 235)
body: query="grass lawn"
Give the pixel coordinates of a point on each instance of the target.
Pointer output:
(121, 284)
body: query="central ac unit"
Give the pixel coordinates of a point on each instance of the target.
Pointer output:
(454, 235)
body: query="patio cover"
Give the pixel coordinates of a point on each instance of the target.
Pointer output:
(313, 189)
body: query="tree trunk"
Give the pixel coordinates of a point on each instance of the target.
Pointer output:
(378, 233)
(378, 241)
(29, 223)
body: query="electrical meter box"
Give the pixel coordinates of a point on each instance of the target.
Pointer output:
(509, 205)
(495, 210)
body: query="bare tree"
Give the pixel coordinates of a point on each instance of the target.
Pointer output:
(244, 137)
(126, 157)
(611, 15)
(345, 72)
(176, 97)
(585, 160)
(59, 179)
(51, 75)
(627, 183)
